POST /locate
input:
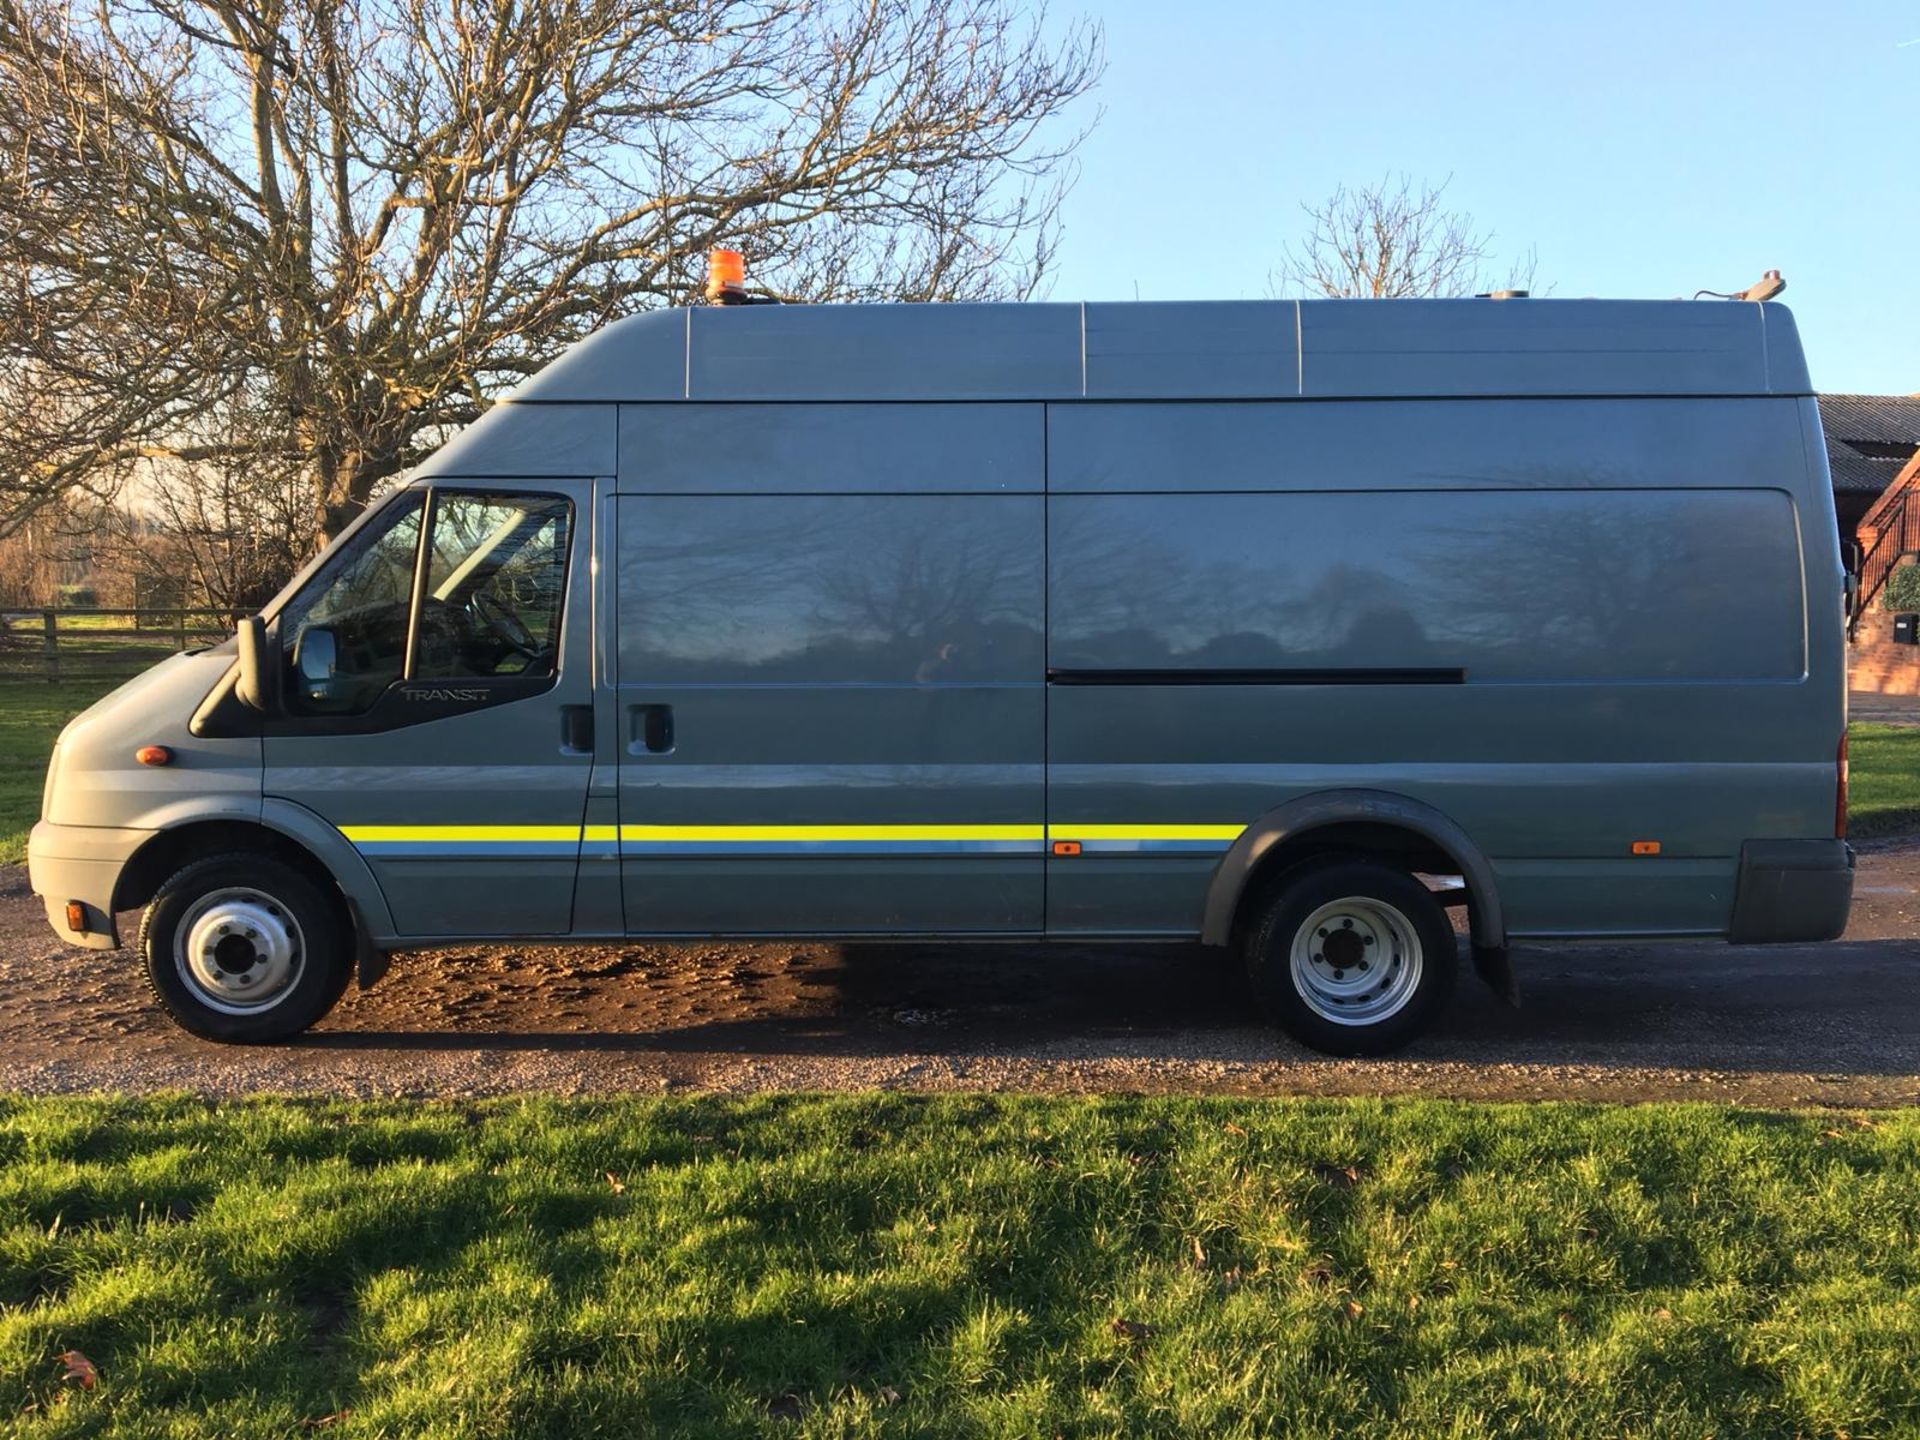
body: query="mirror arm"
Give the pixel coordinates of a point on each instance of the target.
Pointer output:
(256, 689)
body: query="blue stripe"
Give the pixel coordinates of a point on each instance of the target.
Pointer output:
(496, 849)
(1155, 847)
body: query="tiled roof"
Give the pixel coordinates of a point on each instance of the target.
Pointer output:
(1878, 423)
(1861, 474)
(1884, 418)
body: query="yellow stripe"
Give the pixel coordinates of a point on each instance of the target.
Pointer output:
(358, 833)
(832, 832)
(375, 833)
(1144, 832)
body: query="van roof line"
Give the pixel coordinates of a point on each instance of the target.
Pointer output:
(1183, 350)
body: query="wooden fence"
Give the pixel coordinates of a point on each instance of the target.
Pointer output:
(98, 643)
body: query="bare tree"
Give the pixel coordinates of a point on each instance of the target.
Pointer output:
(306, 237)
(234, 535)
(1391, 241)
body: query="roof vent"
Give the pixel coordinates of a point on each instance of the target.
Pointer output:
(1503, 295)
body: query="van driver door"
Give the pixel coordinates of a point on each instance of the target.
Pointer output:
(437, 687)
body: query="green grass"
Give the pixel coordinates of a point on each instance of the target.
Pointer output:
(1883, 780)
(31, 716)
(875, 1265)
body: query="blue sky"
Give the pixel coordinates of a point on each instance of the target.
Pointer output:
(1641, 149)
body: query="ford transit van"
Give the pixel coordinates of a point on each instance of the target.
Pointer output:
(1270, 625)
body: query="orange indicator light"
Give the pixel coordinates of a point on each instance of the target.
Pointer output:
(1646, 847)
(153, 755)
(726, 273)
(1066, 847)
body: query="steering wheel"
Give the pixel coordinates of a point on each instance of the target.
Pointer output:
(504, 623)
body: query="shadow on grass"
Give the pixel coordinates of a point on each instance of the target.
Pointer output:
(1903, 823)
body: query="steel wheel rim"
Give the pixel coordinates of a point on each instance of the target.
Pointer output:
(239, 951)
(1356, 961)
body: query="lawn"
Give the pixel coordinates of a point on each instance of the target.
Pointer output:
(1883, 780)
(964, 1266)
(31, 715)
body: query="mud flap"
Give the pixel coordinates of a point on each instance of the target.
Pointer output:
(369, 964)
(1494, 965)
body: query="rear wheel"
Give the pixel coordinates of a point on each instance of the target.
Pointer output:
(243, 949)
(1352, 958)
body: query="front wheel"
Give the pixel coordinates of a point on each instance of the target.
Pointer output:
(1352, 958)
(243, 949)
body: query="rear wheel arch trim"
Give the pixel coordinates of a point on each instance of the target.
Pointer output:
(1299, 817)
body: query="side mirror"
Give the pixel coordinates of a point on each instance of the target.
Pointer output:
(255, 689)
(316, 656)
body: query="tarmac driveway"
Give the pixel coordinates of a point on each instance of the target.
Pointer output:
(1832, 1024)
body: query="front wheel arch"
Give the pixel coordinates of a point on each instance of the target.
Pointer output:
(169, 851)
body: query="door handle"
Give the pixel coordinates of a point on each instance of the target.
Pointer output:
(576, 729)
(652, 730)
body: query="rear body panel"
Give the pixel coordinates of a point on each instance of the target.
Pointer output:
(1608, 606)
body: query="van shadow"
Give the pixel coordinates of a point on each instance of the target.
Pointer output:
(1848, 1007)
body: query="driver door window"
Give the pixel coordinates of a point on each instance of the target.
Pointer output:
(496, 572)
(481, 600)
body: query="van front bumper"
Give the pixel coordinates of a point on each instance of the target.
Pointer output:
(1792, 890)
(81, 862)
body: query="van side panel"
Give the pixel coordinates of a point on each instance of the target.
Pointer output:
(830, 449)
(1594, 642)
(1427, 445)
(1525, 586)
(1531, 347)
(831, 700)
(884, 352)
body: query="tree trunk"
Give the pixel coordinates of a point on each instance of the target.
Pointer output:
(342, 486)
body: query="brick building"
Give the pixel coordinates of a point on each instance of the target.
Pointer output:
(1869, 439)
(1873, 450)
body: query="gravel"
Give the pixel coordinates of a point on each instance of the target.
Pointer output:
(1831, 1024)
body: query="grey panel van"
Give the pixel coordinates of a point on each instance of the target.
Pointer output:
(1273, 625)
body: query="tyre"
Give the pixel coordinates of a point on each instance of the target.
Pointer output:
(243, 949)
(1352, 958)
